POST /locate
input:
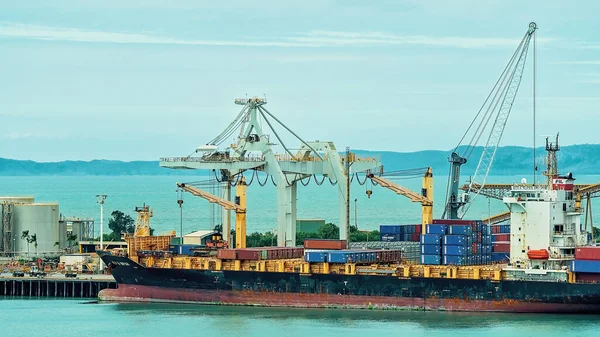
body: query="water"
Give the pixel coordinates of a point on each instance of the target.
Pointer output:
(41, 318)
(76, 196)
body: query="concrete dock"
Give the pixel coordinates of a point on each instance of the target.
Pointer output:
(55, 285)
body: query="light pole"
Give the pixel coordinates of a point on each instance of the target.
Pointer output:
(100, 199)
(355, 214)
(180, 203)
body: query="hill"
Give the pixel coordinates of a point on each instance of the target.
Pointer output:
(510, 160)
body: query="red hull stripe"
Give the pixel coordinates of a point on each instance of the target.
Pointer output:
(136, 293)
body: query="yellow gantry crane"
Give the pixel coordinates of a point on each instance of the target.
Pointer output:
(239, 206)
(425, 198)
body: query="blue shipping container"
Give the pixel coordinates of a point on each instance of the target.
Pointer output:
(437, 229)
(315, 256)
(389, 229)
(431, 239)
(456, 250)
(431, 249)
(460, 230)
(585, 266)
(431, 259)
(486, 249)
(499, 257)
(455, 260)
(456, 240)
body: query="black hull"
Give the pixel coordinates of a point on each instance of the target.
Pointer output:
(318, 290)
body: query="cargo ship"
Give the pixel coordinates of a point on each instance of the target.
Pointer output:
(551, 270)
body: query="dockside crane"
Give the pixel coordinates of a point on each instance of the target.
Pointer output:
(239, 206)
(425, 198)
(495, 109)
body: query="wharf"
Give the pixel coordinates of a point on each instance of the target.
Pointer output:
(84, 286)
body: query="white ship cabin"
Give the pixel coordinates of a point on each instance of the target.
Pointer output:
(545, 227)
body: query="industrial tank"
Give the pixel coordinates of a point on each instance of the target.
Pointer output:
(40, 219)
(16, 200)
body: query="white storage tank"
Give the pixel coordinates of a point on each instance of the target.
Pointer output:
(40, 219)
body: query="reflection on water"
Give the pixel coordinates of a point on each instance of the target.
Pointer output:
(427, 320)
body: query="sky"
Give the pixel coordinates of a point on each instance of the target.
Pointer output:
(139, 80)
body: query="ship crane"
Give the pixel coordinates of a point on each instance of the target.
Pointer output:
(425, 198)
(489, 123)
(239, 206)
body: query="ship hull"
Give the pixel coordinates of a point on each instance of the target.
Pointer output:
(139, 284)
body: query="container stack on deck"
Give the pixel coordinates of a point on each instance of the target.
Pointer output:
(456, 242)
(260, 253)
(394, 233)
(587, 264)
(334, 251)
(501, 242)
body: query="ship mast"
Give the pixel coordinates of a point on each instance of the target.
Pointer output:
(552, 163)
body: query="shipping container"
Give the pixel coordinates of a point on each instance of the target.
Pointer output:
(227, 254)
(501, 238)
(249, 254)
(324, 244)
(487, 249)
(437, 229)
(431, 239)
(456, 240)
(389, 229)
(587, 253)
(500, 257)
(460, 230)
(585, 266)
(455, 260)
(456, 250)
(183, 249)
(431, 259)
(456, 221)
(431, 249)
(588, 277)
(499, 248)
(315, 256)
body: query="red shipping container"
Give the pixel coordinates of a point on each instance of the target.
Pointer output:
(501, 248)
(495, 229)
(416, 237)
(249, 254)
(324, 244)
(502, 238)
(587, 253)
(227, 254)
(588, 277)
(474, 248)
(418, 229)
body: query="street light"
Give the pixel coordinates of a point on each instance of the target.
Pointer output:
(355, 214)
(180, 203)
(100, 199)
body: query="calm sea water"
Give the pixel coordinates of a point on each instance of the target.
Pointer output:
(76, 196)
(65, 318)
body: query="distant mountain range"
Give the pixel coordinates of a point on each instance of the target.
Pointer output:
(510, 160)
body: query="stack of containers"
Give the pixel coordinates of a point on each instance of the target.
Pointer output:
(359, 256)
(587, 264)
(394, 233)
(501, 242)
(462, 242)
(431, 243)
(260, 253)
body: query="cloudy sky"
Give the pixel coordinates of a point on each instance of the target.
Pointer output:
(143, 79)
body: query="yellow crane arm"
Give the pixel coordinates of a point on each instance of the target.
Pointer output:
(424, 199)
(497, 218)
(412, 195)
(228, 205)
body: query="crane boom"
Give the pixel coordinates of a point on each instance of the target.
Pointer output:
(239, 207)
(226, 204)
(509, 93)
(425, 198)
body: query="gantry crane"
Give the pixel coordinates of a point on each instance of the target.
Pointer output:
(239, 206)
(142, 225)
(425, 198)
(254, 150)
(496, 108)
